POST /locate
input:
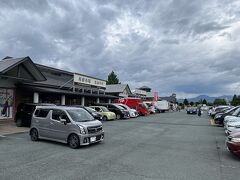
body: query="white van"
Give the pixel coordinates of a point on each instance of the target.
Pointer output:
(162, 106)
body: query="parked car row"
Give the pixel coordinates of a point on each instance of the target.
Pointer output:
(75, 125)
(104, 111)
(123, 108)
(229, 118)
(191, 110)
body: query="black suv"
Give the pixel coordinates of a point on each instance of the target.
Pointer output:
(24, 113)
(120, 112)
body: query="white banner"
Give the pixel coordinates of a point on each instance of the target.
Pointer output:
(77, 78)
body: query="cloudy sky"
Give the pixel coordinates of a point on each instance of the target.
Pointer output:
(189, 47)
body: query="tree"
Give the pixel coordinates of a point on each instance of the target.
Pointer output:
(235, 100)
(181, 105)
(204, 101)
(191, 103)
(185, 102)
(219, 102)
(112, 78)
(197, 103)
(210, 104)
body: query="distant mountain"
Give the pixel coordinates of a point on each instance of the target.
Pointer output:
(208, 98)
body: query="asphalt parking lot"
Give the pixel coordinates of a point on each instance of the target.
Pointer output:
(162, 146)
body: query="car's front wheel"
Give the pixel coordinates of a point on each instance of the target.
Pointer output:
(118, 116)
(104, 118)
(73, 141)
(34, 135)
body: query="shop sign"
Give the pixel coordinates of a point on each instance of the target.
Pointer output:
(6, 103)
(140, 92)
(89, 81)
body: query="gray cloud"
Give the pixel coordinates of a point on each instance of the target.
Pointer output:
(182, 46)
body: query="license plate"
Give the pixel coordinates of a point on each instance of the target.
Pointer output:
(92, 139)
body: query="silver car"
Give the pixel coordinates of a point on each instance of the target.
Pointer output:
(71, 125)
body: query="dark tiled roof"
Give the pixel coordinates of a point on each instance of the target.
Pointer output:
(9, 63)
(54, 80)
(6, 64)
(63, 71)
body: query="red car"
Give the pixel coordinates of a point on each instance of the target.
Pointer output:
(233, 143)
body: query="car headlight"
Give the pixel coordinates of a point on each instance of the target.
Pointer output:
(82, 130)
(237, 140)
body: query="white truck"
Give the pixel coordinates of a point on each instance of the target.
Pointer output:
(162, 106)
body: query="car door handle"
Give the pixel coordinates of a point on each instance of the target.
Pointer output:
(51, 123)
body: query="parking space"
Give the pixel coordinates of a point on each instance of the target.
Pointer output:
(161, 146)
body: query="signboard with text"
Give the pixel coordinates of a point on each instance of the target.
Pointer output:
(140, 92)
(77, 78)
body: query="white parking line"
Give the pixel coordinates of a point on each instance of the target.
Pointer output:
(2, 136)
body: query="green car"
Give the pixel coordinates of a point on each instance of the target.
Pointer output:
(107, 115)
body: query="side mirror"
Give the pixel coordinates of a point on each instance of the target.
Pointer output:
(64, 121)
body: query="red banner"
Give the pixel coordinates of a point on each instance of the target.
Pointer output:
(155, 94)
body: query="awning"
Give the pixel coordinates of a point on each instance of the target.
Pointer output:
(63, 92)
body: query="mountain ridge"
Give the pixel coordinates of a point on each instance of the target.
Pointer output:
(208, 98)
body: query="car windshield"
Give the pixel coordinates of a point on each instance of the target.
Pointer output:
(146, 105)
(227, 110)
(143, 105)
(221, 109)
(236, 112)
(80, 115)
(91, 109)
(125, 106)
(231, 111)
(104, 109)
(120, 107)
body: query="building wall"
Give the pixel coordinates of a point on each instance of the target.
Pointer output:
(7, 83)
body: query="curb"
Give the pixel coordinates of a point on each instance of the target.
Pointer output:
(12, 133)
(212, 123)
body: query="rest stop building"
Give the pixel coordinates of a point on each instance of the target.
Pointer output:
(23, 81)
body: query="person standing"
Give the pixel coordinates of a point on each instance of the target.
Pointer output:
(199, 111)
(5, 108)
